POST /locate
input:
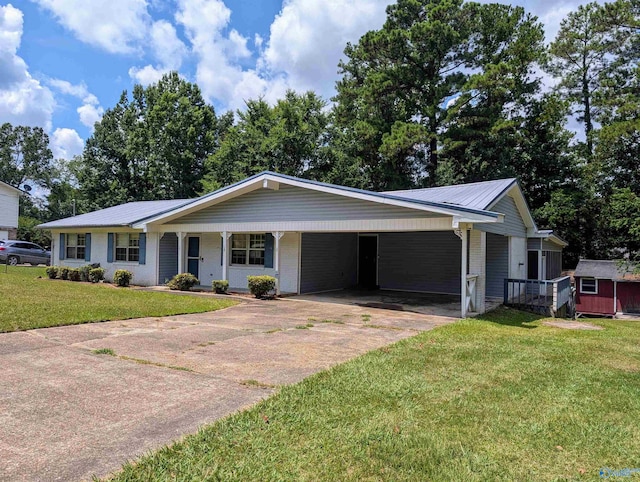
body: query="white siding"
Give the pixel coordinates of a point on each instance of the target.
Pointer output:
(478, 265)
(517, 257)
(9, 202)
(143, 274)
(288, 266)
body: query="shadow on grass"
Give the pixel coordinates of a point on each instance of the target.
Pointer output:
(510, 317)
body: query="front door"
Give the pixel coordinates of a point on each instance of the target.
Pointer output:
(368, 261)
(193, 256)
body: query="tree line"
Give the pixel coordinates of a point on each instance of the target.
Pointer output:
(445, 92)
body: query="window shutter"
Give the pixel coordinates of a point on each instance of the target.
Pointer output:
(110, 248)
(142, 259)
(268, 250)
(87, 247)
(62, 246)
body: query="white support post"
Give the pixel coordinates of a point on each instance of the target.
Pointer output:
(180, 253)
(478, 268)
(463, 272)
(276, 258)
(225, 254)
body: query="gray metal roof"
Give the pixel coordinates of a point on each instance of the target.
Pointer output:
(122, 215)
(605, 269)
(475, 195)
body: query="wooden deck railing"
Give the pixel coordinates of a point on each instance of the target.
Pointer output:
(547, 296)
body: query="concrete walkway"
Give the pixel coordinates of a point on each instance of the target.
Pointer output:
(67, 413)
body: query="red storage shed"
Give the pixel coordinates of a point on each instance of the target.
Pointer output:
(606, 288)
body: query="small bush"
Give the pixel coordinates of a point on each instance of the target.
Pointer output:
(220, 286)
(52, 272)
(104, 351)
(63, 272)
(260, 286)
(122, 277)
(84, 272)
(183, 282)
(96, 275)
(75, 274)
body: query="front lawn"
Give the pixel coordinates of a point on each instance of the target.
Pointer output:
(27, 302)
(499, 398)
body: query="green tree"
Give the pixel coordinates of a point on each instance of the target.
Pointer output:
(580, 56)
(439, 71)
(152, 146)
(25, 156)
(288, 137)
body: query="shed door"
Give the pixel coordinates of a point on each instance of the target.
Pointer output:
(628, 297)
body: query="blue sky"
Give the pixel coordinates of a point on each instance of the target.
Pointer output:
(63, 62)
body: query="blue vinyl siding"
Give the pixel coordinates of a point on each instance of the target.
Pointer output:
(328, 261)
(497, 264)
(168, 257)
(295, 204)
(420, 261)
(513, 224)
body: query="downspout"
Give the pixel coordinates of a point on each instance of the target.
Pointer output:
(615, 297)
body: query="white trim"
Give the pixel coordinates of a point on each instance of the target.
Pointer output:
(344, 226)
(463, 273)
(582, 291)
(258, 182)
(247, 249)
(299, 260)
(18, 190)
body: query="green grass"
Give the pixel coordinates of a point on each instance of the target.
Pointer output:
(499, 398)
(104, 351)
(27, 302)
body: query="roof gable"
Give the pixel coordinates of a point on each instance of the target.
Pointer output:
(618, 270)
(272, 180)
(9, 187)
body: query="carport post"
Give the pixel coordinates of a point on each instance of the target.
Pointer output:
(180, 252)
(225, 257)
(276, 258)
(463, 273)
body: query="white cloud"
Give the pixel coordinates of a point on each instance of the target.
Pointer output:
(167, 48)
(90, 114)
(308, 38)
(23, 100)
(66, 143)
(217, 74)
(90, 111)
(117, 26)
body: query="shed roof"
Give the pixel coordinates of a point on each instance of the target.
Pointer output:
(122, 215)
(618, 270)
(475, 195)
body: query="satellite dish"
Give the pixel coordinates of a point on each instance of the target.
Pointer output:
(26, 187)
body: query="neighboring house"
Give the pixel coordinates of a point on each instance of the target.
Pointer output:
(314, 237)
(9, 204)
(606, 288)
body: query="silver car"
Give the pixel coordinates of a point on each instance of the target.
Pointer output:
(17, 252)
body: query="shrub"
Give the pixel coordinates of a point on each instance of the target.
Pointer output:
(183, 282)
(52, 272)
(220, 286)
(84, 272)
(75, 274)
(96, 275)
(261, 285)
(63, 272)
(122, 277)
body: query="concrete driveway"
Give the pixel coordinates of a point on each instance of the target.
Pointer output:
(67, 413)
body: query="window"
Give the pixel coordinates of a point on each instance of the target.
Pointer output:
(127, 247)
(247, 249)
(76, 245)
(589, 285)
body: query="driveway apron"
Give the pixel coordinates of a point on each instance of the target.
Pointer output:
(68, 413)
